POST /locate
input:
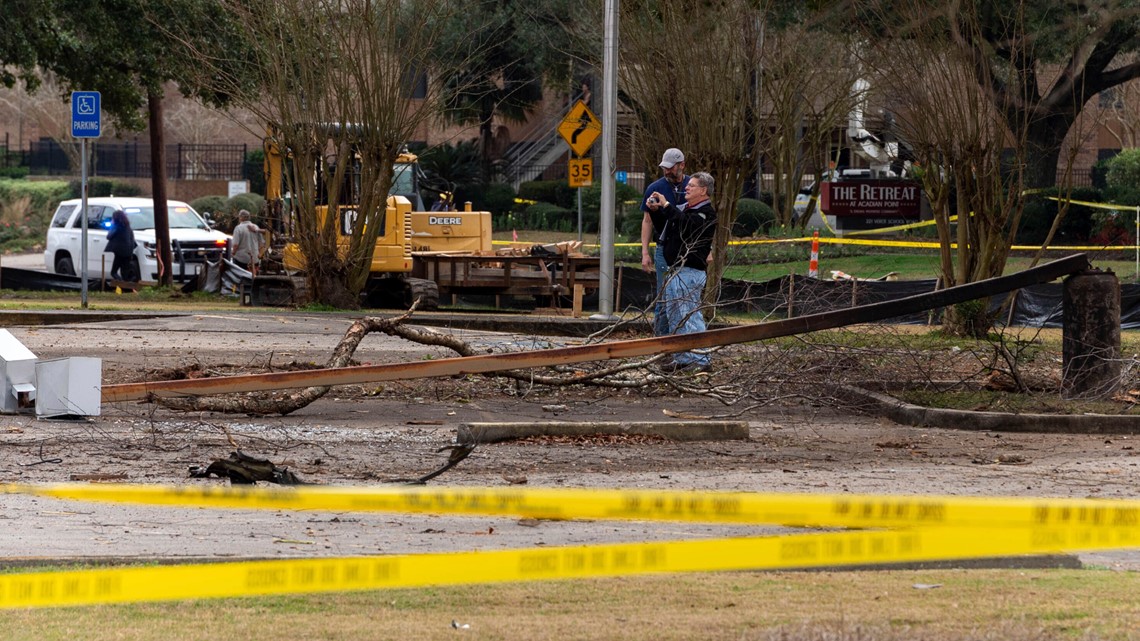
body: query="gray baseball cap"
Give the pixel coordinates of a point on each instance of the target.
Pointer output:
(671, 157)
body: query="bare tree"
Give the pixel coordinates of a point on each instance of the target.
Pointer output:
(969, 158)
(332, 80)
(687, 73)
(807, 89)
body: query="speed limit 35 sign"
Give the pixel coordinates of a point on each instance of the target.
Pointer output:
(581, 172)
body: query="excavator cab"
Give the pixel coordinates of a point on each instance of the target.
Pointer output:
(406, 179)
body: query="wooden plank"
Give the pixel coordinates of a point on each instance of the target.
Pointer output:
(600, 351)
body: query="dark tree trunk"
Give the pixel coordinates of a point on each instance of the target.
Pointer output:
(158, 186)
(1044, 138)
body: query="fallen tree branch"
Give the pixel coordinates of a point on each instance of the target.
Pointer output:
(458, 453)
(265, 404)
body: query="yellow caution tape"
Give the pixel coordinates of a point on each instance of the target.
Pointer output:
(342, 574)
(926, 528)
(1085, 203)
(797, 510)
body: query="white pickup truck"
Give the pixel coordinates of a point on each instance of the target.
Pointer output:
(191, 238)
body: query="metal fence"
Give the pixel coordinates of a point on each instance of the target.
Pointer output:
(132, 160)
(633, 176)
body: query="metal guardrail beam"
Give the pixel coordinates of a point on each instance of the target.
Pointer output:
(601, 351)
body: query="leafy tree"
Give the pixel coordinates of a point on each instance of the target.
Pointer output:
(120, 48)
(1040, 63)
(498, 55)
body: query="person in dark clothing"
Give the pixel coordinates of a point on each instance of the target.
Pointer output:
(672, 186)
(688, 244)
(121, 243)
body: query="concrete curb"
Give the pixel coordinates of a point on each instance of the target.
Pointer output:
(919, 416)
(677, 431)
(493, 322)
(1041, 562)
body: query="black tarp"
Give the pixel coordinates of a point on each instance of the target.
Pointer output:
(1035, 306)
(39, 281)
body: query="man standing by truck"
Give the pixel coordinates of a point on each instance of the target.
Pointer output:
(672, 186)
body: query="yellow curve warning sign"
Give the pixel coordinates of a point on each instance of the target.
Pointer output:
(892, 529)
(580, 128)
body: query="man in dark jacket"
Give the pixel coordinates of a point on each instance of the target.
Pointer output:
(672, 186)
(688, 243)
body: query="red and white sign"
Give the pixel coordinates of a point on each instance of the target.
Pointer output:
(878, 198)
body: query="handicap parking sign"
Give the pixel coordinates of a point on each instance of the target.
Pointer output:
(85, 114)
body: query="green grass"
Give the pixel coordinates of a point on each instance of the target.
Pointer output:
(906, 266)
(1014, 605)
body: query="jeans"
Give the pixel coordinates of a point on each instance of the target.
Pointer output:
(660, 313)
(683, 291)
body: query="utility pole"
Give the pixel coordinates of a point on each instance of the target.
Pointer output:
(609, 163)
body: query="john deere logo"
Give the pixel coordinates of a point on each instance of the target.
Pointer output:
(444, 220)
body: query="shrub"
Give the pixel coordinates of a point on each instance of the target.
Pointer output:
(629, 225)
(1039, 212)
(1123, 177)
(557, 192)
(13, 172)
(101, 187)
(752, 216)
(544, 216)
(1099, 174)
(254, 203)
(213, 205)
(1111, 228)
(224, 211)
(495, 198)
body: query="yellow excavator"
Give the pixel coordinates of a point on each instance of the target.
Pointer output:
(390, 282)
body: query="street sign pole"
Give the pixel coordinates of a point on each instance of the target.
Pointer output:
(85, 123)
(579, 214)
(83, 220)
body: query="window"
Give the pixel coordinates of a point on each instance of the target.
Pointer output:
(95, 216)
(62, 214)
(1111, 99)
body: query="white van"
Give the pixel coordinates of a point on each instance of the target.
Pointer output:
(191, 239)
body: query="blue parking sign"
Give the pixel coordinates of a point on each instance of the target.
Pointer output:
(85, 114)
(621, 177)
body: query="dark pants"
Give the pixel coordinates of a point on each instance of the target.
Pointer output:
(121, 268)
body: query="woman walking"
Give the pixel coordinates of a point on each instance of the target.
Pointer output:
(121, 243)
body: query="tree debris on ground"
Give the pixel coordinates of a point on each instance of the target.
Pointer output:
(243, 469)
(282, 403)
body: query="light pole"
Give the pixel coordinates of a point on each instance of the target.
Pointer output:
(609, 163)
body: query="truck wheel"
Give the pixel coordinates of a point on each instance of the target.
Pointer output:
(63, 265)
(426, 291)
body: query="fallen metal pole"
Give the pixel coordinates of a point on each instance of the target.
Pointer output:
(600, 351)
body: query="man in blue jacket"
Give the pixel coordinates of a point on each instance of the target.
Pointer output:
(672, 186)
(689, 234)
